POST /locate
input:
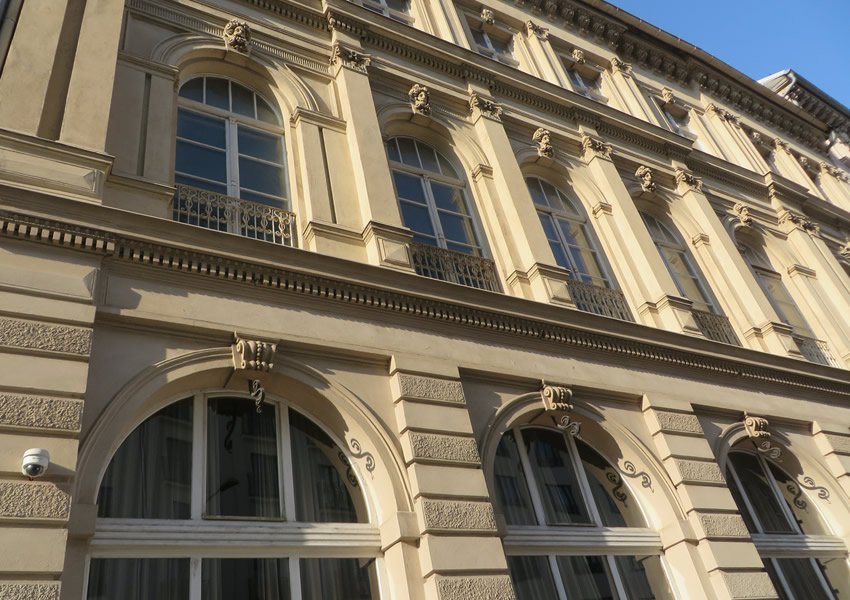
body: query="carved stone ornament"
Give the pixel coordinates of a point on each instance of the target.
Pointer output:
(556, 398)
(757, 431)
(688, 179)
(351, 59)
(828, 169)
(668, 95)
(543, 139)
(596, 147)
(743, 212)
(485, 106)
(237, 36)
(780, 145)
(844, 250)
(420, 99)
(755, 136)
(253, 355)
(618, 66)
(538, 30)
(488, 16)
(810, 227)
(578, 56)
(644, 173)
(804, 162)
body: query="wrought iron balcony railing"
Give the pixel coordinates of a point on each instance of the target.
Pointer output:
(715, 327)
(225, 213)
(456, 267)
(816, 351)
(599, 300)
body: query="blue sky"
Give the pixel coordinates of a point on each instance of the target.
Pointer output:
(761, 37)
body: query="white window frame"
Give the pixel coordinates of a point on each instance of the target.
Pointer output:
(796, 545)
(381, 7)
(473, 22)
(578, 539)
(201, 537)
(232, 121)
(578, 74)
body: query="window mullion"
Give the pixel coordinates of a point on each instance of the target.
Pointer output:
(556, 578)
(615, 576)
(583, 483)
(195, 580)
(746, 499)
(556, 223)
(786, 510)
(432, 210)
(536, 501)
(295, 578)
(287, 478)
(782, 581)
(198, 455)
(232, 158)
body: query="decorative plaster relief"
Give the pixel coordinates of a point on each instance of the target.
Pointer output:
(432, 446)
(840, 443)
(42, 336)
(644, 173)
(237, 36)
(618, 66)
(749, 585)
(485, 107)
(699, 471)
(28, 500)
(668, 96)
(786, 217)
(724, 526)
(492, 587)
(420, 99)
(756, 426)
(743, 212)
(678, 422)
(488, 16)
(689, 179)
(253, 355)
(594, 147)
(556, 398)
(450, 514)
(17, 410)
(29, 591)
(350, 59)
(427, 388)
(578, 56)
(543, 138)
(538, 30)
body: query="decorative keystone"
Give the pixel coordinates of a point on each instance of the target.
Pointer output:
(688, 179)
(351, 59)
(253, 355)
(543, 138)
(644, 173)
(237, 36)
(420, 99)
(743, 213)
(485, 107)
(595, 147)
(556, 398)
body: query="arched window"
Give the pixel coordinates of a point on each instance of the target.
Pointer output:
(230, 143)
(212, 498)
(782, 520)
(573, 526)
(432, 196)
(679, 264)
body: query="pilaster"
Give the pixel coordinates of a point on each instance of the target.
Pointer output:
(714, 536)
(627, 91)
(834, 185)
(459, 553)
(790, 167)
(544, 57)
(834, 442)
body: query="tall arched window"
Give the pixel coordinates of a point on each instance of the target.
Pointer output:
(782, 520)
(573, 526)
(213, 498)
(230, 142)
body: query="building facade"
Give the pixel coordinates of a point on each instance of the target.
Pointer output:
(397, 299)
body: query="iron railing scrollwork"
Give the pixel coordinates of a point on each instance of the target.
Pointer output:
(455, 267)
(224, 213)
(599, 300)
(715, 327)
(815, 351)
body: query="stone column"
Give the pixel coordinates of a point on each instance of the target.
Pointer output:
(646, 281)
(460, 555)
(627, 92)
(714, 541)
(46, 327)
(384, 235)
(90, 89)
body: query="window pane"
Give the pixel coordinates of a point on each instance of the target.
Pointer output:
(457, 229)
(429, 158)
(801, 574)
(758, 491)
(261, 199)
(336, 578)
(449, 198)
(324, 480)
(417, 218)
(407, 147)
(201, 128)
(260, 177)
(217, 94)
(201, 162)
(447, 168)
(242, 471)
(480, 38)
(463, 248)
(409, 187)
(556, 479)
(637, 574)
(399, 5)
(502, 47)
(607, 485)
(392, 151)
(193, 90)
(265, 146)
(204, 185)
(265, 112)
(243, 100)
(586, 577)
(532, 577)
(685, 277)
(804, 510)
(511, 487)
(150, 477)
(245, 578)
(536, 191)
(138, 579)
(548, 227)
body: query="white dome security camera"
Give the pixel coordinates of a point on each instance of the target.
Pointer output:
(35, 462)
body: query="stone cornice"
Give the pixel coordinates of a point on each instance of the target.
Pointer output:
(404, 295)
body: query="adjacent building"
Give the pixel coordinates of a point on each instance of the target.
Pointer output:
(398, 299)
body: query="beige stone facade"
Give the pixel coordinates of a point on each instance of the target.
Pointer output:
(477, 228)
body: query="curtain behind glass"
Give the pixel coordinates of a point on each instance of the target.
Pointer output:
(336, 579)
(326, 488)
(636, 575)
(802, 578)
(511, 486)
(532, 577)
(586, 577)
(242, 466)
(245, 579)
(138, 579)
(759, 492)
(604, 481)
(150, 477)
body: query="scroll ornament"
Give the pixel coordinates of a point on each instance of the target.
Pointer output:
(757, 431)
(253, 355)
(556, 398)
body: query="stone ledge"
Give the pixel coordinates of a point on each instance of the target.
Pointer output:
(31, 500)
(17, 410)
